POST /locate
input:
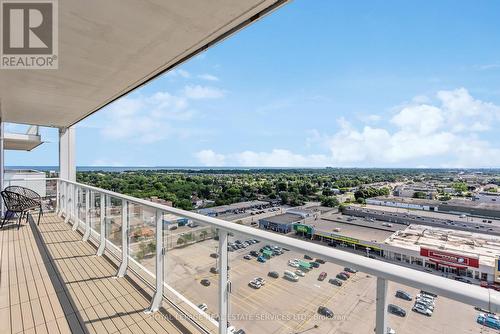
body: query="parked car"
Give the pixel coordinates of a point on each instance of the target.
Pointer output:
(325, 311)
(394, 309)
(203, 307)
(247, 257)
(273, 274)
(350, 270)
(239, 331)
(335, 281)
(346, 274)
(314, 264)
(261, 259)
(260, 280)
(462, 279)
(488, 320)
(214, 270)
(321, 261)
(307, 257)
(255, 284)
(404, 295)
(254, 253)
(424, 304)
(205, 282)
(419, 308)
(423, 292)
(300, 273)
(214, 255)
(322, 276)
(342, 277)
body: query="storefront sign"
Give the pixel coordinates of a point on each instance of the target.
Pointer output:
(303, 228)
(450, 257)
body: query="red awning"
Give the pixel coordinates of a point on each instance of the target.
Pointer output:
(446, 264)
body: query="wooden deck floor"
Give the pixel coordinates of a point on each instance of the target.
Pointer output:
(51, 282)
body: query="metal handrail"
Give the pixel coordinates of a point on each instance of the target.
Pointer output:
(469, 294)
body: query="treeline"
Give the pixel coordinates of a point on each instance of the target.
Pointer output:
(288, 186)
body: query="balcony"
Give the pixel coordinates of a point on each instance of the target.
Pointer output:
(105, 262)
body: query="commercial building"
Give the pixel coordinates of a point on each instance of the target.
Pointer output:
(405, 203)
(457, 206)
(410, 191)
(281, 223)
(452, 252)
(234, 208)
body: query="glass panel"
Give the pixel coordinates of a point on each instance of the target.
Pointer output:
(95, 214)
(81, 202)
(142, 240)
(191, 264)
(114, 223)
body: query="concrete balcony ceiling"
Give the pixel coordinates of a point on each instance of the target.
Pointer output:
(108, 48)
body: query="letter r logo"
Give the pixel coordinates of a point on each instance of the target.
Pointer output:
(27, 27)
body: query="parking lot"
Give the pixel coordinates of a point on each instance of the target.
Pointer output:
(282, 306)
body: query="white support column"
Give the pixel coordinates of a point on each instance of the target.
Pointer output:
(223, 282)
(102, 238)
(381, 304)
(67, 167)
(75, 207)
(122, 271)
(160, 257)
(88, 207)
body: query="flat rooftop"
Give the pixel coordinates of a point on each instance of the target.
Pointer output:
(234, 206)
(363, 233)
(460, 242)
(286, 218)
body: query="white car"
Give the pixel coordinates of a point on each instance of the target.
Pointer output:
(260, 280)
(300, 273)
(231, 330)
(425, 301)
(429, 306)
(255, 284)
(390, 331)
(422, 310)
(293, 264)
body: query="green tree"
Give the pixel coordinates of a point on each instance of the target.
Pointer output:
(330, 201)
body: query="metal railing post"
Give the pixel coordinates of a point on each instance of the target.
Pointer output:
(76, 208)
(156, 302)
(102, 237)
(68, 203)
(88, 207)
(123, 266)
(223, 282)
(381, 304)
(58, 208)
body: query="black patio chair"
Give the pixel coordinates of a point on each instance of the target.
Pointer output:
(33, 200)
(15, 204)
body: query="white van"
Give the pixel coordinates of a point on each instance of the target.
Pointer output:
(291, 276)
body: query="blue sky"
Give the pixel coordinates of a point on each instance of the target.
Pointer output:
(317, 83)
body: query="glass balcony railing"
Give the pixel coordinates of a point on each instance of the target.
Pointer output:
(227, 277)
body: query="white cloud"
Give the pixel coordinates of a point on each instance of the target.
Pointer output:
(210, 158)
(487, 67)
(179, 73)
(208, 77)
(202, 92)
(442, 134)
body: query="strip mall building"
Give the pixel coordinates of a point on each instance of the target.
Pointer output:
(450, 252)
(473, 255)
